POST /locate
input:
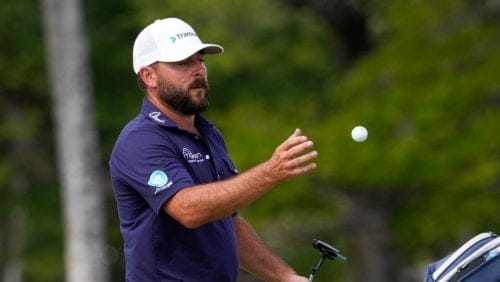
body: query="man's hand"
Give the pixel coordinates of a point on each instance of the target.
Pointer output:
(292, 157)
(297, 278)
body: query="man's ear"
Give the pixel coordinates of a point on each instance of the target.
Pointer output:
(149, 77)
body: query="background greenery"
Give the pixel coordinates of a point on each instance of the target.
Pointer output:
(427, 88)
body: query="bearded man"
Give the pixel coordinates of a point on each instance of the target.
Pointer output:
(177, 191)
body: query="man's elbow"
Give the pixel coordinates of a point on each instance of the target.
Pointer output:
(187, 211)
(183, 216)
(190, 222)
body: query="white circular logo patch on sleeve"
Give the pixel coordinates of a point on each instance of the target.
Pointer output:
(159, 180)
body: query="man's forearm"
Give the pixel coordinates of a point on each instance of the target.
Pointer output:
(194, 206)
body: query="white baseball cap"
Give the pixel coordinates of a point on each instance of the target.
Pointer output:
(168, 40)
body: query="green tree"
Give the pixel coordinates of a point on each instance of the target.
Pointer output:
(30, 229)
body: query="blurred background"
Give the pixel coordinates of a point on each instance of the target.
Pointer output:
(421, 76)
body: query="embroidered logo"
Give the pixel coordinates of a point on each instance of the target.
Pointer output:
(186, 34)
(183, 35)
(156, 117)
(192, 158)
(159, 180)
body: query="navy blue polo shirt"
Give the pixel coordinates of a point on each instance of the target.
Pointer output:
(152, 160)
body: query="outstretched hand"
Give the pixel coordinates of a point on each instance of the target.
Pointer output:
(297, 278)
(293, 157)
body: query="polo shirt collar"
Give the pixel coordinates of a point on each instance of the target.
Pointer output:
(151, 112)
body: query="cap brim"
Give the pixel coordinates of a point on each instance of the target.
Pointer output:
(188, 51)
(212, 49)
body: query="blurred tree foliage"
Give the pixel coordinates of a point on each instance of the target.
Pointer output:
(427, 89)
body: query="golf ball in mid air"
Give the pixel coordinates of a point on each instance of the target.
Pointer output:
(359, 133)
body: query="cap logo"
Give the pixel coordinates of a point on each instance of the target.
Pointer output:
(183, 35)
(186, 34)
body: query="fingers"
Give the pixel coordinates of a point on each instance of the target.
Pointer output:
(293, 157)
(303, 159)
(297, 132)
(305, 169)
(294, 139)
(298, 148)
(295, 145)
(302, 164)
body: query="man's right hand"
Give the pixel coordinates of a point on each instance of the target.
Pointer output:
(291, 158)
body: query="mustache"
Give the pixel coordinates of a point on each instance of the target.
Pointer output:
(199, 83)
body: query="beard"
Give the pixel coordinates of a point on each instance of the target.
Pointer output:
(180, 100)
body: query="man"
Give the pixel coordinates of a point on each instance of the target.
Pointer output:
(178, 193)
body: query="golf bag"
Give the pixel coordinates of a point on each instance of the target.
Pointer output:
(478, 260)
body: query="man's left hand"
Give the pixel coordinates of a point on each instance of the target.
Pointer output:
(297, 278)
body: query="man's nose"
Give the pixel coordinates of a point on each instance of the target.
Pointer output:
(201, 69)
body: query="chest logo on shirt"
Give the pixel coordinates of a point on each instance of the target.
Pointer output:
(192, 157)
(159, 180)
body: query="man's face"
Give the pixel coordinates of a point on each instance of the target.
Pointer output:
(186, 88)
(188, 101)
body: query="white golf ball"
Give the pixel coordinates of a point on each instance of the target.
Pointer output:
(359, 133)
